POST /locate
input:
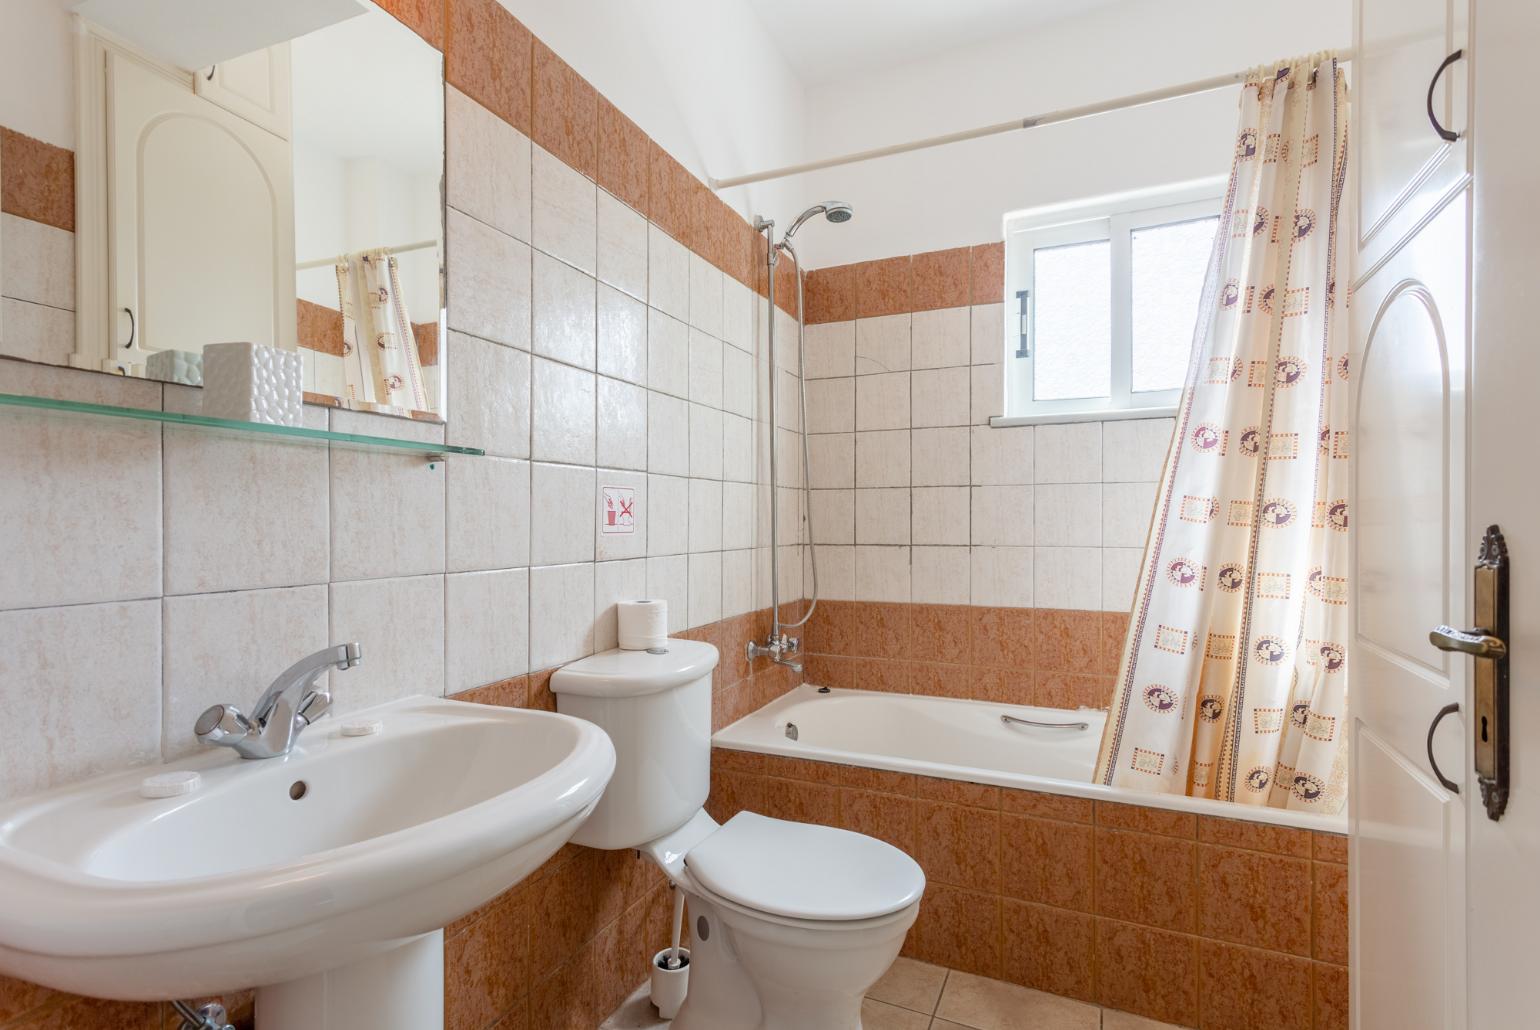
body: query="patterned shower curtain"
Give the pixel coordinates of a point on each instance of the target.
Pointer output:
(379, 351)
(1233, 683)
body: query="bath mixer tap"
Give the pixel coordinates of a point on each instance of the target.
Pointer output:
(778, 650)
(290, 704)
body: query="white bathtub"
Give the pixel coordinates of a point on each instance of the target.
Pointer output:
(964, 740)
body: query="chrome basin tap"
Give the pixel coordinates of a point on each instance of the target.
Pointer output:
(290, 704)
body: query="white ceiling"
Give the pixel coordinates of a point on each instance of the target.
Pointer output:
(825, 40)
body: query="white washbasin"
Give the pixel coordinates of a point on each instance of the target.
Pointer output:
(239, 884)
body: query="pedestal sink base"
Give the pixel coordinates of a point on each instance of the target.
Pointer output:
(399, 989)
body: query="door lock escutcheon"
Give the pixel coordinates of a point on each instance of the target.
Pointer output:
(1488, 645)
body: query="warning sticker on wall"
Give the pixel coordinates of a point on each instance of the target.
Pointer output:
(618, 514)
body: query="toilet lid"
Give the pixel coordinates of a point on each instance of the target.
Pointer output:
(804, 871)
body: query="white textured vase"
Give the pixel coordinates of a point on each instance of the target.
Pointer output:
(253, 383)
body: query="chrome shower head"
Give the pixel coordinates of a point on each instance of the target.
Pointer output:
(835, 211)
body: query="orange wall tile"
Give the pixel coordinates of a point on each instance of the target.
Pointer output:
(37, 180)
(940, 279)
(831, 294)
(622, 156)
(987, 273)
(490, 57)
(883, 287)
(565, 112)
(424, 17)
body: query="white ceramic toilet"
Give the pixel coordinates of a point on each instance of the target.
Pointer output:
(791, 923)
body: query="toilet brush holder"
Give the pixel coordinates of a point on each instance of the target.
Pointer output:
(669, 985)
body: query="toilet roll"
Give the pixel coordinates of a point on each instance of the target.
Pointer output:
(643, 624)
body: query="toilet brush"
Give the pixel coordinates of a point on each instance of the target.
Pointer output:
(671, 967)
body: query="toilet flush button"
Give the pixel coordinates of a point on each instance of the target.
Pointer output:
(362, 728)
(170, 785)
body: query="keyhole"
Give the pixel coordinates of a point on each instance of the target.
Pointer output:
(1484, 729)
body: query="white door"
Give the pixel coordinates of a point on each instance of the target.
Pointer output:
(1409, 574)
(257, 86)
(201, 220)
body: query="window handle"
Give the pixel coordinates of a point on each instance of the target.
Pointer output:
(1024, 321)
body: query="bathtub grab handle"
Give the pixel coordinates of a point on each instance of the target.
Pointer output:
(1011, 720)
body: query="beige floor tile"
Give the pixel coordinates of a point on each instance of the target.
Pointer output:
(910, 985)
(636, 1013)
(942, 1024)
(1115, 1020)
(876, 1015)
(975, 1001)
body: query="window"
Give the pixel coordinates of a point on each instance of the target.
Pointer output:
(1101, 304)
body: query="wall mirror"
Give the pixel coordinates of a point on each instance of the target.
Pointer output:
(291, 196)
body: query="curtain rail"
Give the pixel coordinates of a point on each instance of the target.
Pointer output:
(1066, 114)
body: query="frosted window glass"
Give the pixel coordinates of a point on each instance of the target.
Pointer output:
(1072, 321)
(1169, 262)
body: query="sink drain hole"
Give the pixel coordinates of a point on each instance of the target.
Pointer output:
(297, 790)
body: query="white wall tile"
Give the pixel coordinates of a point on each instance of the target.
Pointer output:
(941, 397)
(882, 459)
(737, 583)
(78, 686)
(487, 513)
(668, 579)
(615, 581)
(63, 544)
(37, 262)
(562, 412)
(489, 282)
(486, 165)
(1002, 457)
(561, 514)
(833, 516)
(738, 449)
(668, 506)
(668, 354)
(941, 338)
(622, 336)
(36, 332)
(565, 211)
(400, 624)
(882, 516)
(487, 627)
(226, 648)
(622, 259)
(988, 333)
(738, 382)
(616, 545)
(705, 515)
(242, 514)
(882, 401)
(940, 457)
(836, 574)
(705, 369)
(1120, 577)
(1067, 577)
(488, 390)
(561, 614)
(882, 574)
(833, 460)
(1134, 450)
(988, 398)
(940, 575)
(831, 350)
(668, 274)
(1065, 515)
(367, 484)
(1069, 453)
(882, 344)
(737, 315)
(1002, 577)
(941, 515)
(622, 441)
(831, 405)
(668, 435)
(706, 442)
(705, 588)
(1002, 515)
(564, 312)
(1126, 511)
(705, 296)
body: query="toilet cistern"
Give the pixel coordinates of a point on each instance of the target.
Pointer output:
(289, 704)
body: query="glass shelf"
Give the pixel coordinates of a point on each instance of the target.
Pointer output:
(262, 429)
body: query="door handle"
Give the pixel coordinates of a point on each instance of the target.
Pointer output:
(1449, 785)
(1447, 135)
(1011, 720)
(1476, 642)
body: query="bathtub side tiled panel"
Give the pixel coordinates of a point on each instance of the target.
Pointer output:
(1186, 919)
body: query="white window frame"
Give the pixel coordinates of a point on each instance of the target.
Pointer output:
(1113, 219)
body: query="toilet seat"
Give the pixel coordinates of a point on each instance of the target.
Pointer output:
(803, 871)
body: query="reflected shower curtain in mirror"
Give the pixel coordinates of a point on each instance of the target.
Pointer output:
(379, 350)
(1233, 683)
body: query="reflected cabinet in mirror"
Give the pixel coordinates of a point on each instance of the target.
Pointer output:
(290, 197)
